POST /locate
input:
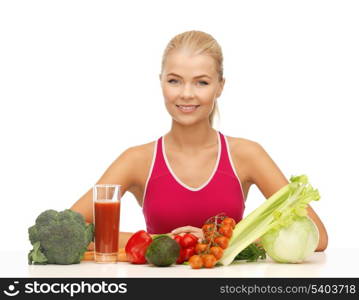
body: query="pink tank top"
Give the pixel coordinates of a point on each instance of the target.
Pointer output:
(168, 203)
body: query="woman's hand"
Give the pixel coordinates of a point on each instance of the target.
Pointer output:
(188, 229)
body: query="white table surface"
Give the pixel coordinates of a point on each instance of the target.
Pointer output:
(331, 263)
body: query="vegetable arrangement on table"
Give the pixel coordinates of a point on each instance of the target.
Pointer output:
(279, 228)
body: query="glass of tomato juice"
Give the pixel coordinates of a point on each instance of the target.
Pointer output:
(106, 210)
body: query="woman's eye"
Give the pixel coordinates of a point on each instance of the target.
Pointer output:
(203, 82)
(172, 81)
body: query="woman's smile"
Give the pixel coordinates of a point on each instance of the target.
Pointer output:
(187, 108)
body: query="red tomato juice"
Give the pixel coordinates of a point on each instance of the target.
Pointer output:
(107, 220)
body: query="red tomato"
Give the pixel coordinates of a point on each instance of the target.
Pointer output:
(188, 252)
(208, 227)
(229, 221)
(196, 262)
(209, 260)
(226, 230)
(188, 240)
(201, 248)
(178, 239)
(181, 257)
(217, 252)
(222, 241)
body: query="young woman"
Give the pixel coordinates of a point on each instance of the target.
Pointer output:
(193, 172)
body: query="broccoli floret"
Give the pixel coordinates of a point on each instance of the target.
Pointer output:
(59, 238)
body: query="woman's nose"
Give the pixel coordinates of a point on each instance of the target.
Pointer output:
(187, 91)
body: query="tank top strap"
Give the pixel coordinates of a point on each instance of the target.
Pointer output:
(159, 166)
(226, 164)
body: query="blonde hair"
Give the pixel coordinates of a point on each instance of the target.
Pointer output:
(198, 42)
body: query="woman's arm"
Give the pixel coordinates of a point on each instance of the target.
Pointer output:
(123, 172)
(265, 174)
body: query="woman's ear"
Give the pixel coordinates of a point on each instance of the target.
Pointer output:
(160, 78)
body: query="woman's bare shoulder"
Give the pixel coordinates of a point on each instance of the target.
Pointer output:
(243, 148)
(142, 155)
(245, 153)
(142, 152)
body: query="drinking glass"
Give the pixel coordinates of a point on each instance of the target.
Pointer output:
(106, 210)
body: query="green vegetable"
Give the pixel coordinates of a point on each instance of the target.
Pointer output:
(163, 251)
(59, 238)
(156, 236)
(279, 209)
(293, 243)
(252, 253)
(36, 255)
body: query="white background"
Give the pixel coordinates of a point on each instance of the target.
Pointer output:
(79, 85)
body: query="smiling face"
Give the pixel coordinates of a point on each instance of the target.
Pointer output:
(190, 86)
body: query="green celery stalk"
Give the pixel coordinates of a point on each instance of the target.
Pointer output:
(278, 210)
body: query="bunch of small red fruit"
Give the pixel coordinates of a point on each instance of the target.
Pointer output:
(216, 231)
